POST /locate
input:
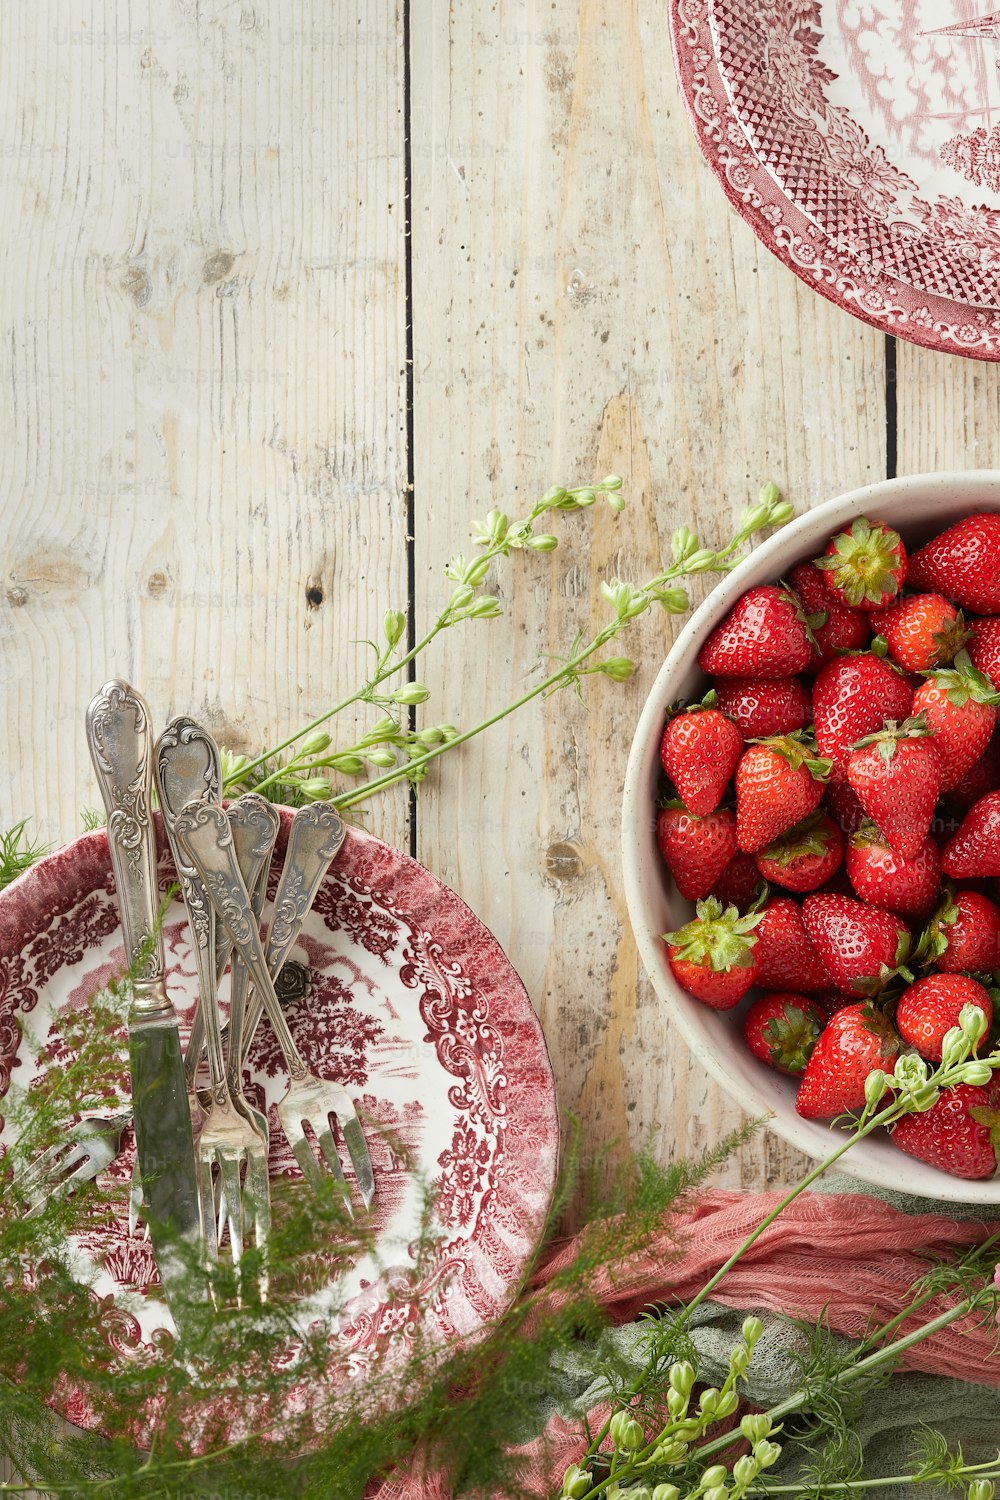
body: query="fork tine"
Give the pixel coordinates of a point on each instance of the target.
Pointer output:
(257, 1204)
(328, 1146)
(302, 1152)
(229, 1171)
(40, 1166)
(74, 1162)
(206, 1190)
(357, 1147)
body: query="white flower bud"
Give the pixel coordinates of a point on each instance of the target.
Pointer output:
(316, 789)
(954, 1047)
(394, 626)
(714, 1475)
(745, 1471)
(315, 743)
(752, 1331)
(875, 1086)
(666, 1492)
(576, 1482)
(682, 1376)
(755, 1426)
(972, 1022)
(976, 1072)
(383, 759)
(412, 692)
(766, 1453)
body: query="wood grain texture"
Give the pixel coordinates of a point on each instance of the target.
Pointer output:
(203, 356)
(586, 301)
(948, 412)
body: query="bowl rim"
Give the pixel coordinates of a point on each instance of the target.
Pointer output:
(982, 488)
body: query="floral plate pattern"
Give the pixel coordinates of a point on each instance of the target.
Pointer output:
(861, 143)
(412, 1005)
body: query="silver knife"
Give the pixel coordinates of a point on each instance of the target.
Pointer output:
(120, 739)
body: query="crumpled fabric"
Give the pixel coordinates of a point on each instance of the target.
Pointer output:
(847, 1256)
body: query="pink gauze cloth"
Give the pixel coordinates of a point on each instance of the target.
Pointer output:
(845, 1255)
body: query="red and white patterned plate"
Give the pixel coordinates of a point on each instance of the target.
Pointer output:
(413, 1006)
(860, 140)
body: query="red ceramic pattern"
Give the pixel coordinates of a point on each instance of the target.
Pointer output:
(413, 1006)
(861, 143)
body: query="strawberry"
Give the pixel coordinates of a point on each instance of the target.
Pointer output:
(785, 955)
(699, 751)
(781, 1029)
(803, 857)
(960, 1133)
(959, 706)
(964, 935)
(963, 563)
(909, 887)
(834, 628)
(984, 647)
(981, 778)
(861, 946)
(762, 707)
(712, 957)
(854, 1042)
(975, 849)
(842, 803)
(922, 631)
(778, 782)
(853, 696)
(864, 567)
(739, 883)
(931, 1007)
(764, 635)
(897, 776)
(696, 850)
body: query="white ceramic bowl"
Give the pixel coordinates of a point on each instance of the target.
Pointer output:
(917, 507)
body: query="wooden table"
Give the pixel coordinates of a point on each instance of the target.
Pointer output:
(246, 411)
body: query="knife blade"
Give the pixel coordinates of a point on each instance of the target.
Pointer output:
(120, 740)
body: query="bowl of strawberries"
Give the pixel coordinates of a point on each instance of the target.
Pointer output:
(811, 823)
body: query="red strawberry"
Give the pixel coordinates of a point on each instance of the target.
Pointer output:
(963, 563)
(960, 1133)
(922, 631)
(964, 935)
(854, 696)
(834, 628)
(909, 887)
(959, 706)
(975, 849)
(739, 883)
(696, 850)
(931, 1007)
(864, 566)
(786, 958)
(842, 803)
(712, 957)
(778, 783)
(861, 946)
(983, 777)
(781, 1029)
(699, 751)
(762, 707)
(897, 776)
(804, 857)
(764, 635)
(854, 1042)
(984, 647)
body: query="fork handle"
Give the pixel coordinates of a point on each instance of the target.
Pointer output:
(120, 740)
(205, 834)
(314, 841)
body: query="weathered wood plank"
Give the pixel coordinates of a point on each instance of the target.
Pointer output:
(204, 363)
(586, 301)
(948, 412)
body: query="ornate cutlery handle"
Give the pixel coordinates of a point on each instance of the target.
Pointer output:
(205, 834)
(263, 820)
(188, 768)
(314, 841)
(120, 740)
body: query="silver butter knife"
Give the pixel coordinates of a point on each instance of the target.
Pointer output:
(120, 739)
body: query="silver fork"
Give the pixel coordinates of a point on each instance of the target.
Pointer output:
(308, 1100)
(87, 1148)
(228, 1138)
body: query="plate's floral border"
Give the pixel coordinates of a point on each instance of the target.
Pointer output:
(840, 272)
